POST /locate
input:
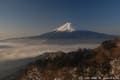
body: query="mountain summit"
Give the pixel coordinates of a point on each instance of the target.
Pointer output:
(66, 34)
(67, 27)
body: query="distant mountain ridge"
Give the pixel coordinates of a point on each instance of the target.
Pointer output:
(67, 34)
(66, 31)
(79, 34)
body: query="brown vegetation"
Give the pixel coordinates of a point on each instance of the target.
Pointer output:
(76, 64)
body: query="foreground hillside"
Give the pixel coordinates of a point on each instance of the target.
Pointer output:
(15, 55)
(101, 62)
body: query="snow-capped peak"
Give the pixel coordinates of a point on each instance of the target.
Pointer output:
(66, 27)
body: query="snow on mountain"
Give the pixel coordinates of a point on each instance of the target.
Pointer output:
(66, 27)
(66, 34)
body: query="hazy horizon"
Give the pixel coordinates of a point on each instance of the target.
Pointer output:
(34, 17)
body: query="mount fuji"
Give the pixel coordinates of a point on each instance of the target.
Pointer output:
(65, 28)
(67, 34)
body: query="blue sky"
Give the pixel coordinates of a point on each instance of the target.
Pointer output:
(33, 17)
